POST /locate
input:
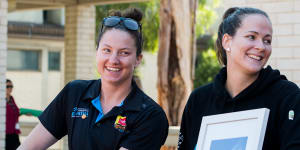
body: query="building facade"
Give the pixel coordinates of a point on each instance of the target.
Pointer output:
(3, 48)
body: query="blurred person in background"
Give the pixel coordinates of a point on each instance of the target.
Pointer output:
(12, 119)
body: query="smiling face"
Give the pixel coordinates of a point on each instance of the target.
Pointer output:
(116, 57)
(250, 48)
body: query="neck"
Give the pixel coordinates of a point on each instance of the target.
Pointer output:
(237, 81)
(7, 97)
(114, 94)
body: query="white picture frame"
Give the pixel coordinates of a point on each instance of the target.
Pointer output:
(244, 130)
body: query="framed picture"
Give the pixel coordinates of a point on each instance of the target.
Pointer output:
(244, 130)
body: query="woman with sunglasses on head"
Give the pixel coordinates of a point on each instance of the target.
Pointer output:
(244, 47)
(12, 140)
(111, 113)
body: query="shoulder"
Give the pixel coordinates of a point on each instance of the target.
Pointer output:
(148, 110)
(148, 104)
(12, 98)
(272, 80)
(287, 93)
(76, 89)
(288, 84)
(79, 85)
(285, 87)
(13, 101)
(200, 93)
(202, 90)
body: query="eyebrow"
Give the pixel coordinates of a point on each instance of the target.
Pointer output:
(255, 32)
(125, 48)
(107, 45)
(258, 33)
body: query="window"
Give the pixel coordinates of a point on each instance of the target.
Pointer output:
(23, 60)
(54, 61)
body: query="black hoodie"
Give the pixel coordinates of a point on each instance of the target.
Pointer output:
(270, 90)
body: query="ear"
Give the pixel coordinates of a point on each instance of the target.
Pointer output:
(138, 60)
(226, 42)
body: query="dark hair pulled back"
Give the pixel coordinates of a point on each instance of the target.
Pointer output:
(132, 13)
(232, 20)
(8, 81)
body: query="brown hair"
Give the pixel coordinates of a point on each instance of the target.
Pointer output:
(132, 13)
(8, 81)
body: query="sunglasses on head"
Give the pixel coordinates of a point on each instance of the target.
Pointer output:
(128, 23)
(9, 86)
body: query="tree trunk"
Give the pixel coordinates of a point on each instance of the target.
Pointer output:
(176, 56)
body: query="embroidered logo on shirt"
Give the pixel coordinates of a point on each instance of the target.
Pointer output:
(120, 123)
(291, 115)
(83, 116)
(80, 112)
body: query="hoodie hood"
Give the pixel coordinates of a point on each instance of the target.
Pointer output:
(266, 78)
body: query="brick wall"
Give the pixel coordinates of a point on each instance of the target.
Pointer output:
(285, 16)
(3, 48)
(80, 53)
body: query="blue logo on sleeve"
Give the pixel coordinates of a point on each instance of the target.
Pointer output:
(80, 112)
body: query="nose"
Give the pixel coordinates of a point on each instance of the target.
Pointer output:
(114, 59)
(260, 45)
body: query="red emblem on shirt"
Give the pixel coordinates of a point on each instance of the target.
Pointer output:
(120, 123)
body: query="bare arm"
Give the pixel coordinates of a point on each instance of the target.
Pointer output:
(122, 148)
(38, 139)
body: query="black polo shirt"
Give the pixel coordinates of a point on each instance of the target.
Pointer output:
(140, 123)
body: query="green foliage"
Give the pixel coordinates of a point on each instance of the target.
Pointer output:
(206, 68)
(207, 65)
(150, 22)
(205, 15)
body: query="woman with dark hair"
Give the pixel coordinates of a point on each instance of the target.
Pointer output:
(12, 140)
(244, 47)
(111, 113)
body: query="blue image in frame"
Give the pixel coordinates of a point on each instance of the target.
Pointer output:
(229, 144)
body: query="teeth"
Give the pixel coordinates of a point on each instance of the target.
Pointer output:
(112, 69)
(255, 57)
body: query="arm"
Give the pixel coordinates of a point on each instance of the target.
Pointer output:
(122, 148)
(190, 125)
(183, 127)
(52, 125)
(39, 139)
(289, 129)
